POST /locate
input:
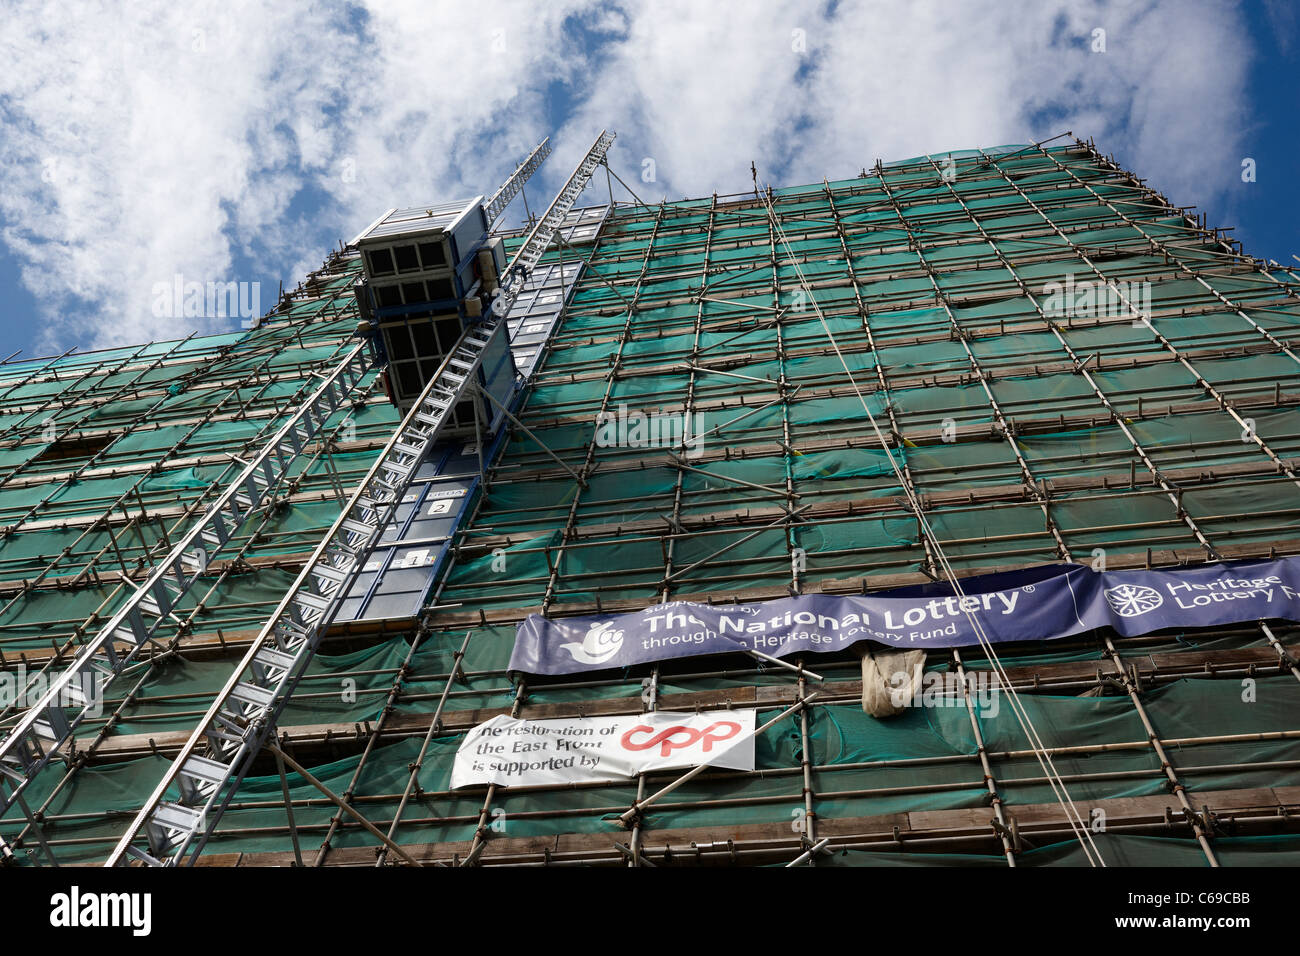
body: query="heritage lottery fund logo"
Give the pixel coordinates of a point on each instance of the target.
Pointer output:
(1132, 600)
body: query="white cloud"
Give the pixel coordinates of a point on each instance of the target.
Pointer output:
(185, 148)
(148, 141)
(892, 81)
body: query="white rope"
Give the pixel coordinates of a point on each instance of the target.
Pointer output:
(1073, 818)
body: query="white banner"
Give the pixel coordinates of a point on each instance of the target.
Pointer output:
(512, 752)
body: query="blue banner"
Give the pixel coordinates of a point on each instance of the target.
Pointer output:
(1041, 604)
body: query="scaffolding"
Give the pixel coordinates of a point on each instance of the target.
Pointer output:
(1153, 425)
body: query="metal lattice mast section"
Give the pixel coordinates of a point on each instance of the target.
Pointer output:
(458, 673)
(46, 727)
(220, 752)
(83, 750)
(555, 558)
(495, 206)
(131, 521)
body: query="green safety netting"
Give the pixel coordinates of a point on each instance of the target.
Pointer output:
(932, 749)
(1115, 849)
(931, 386)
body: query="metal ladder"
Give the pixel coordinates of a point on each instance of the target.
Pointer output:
(530, 253)
(220, 752)
(47, 726)
(495, 206)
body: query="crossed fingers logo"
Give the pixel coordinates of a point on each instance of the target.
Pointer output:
(675, 738)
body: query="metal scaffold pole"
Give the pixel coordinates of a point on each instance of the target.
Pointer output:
(237, 725)
(304, 702)
(47, 727)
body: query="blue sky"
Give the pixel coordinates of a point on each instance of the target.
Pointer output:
(238, 141)
(1266, 213)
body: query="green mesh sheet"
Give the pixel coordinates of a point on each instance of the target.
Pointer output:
(1115, 849)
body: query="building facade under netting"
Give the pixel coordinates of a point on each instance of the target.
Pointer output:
(990, 363)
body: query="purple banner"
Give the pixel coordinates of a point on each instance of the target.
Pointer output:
(1041, 604)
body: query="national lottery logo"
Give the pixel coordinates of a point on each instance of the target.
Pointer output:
(1132, 600)
(598, 646)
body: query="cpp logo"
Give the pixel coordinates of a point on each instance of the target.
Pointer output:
(687, 736)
